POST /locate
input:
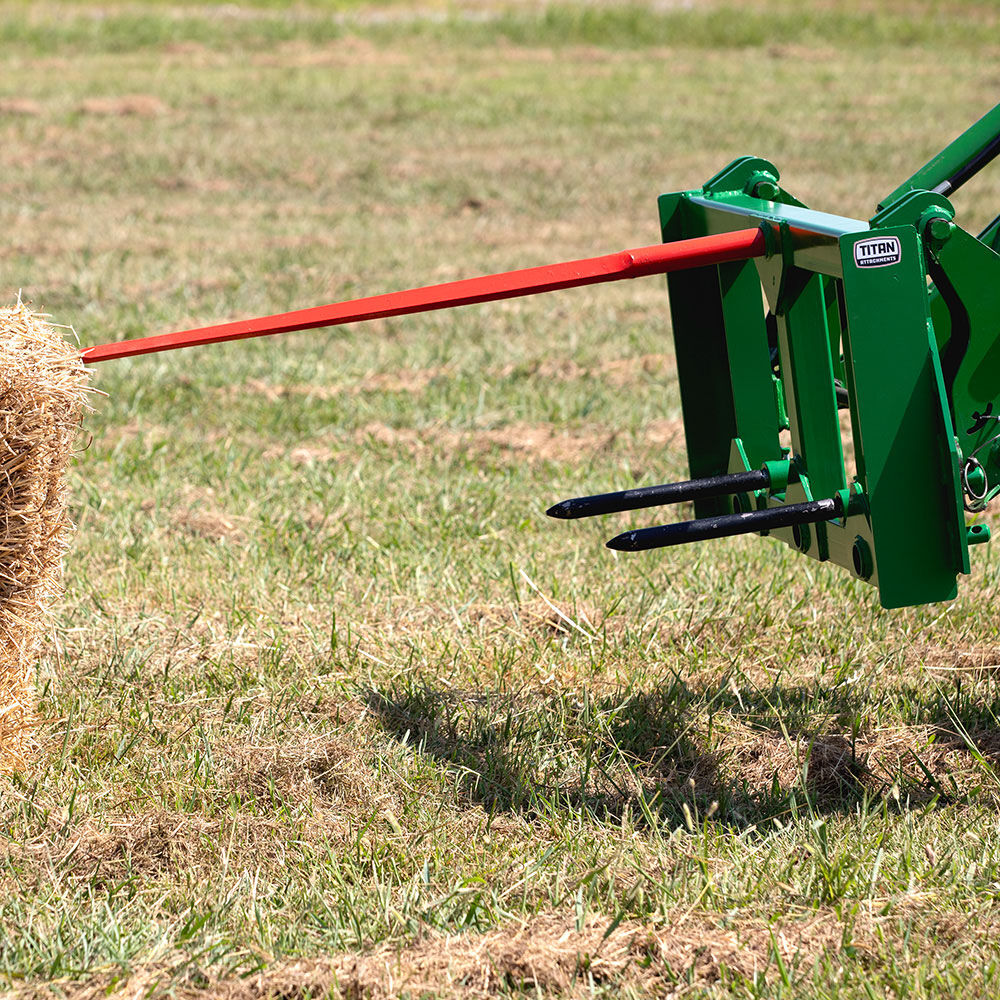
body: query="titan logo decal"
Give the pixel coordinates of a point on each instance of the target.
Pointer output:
(878, 252)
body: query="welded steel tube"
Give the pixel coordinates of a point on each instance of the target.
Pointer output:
(656, 496)
(704, 528)
(659, 259)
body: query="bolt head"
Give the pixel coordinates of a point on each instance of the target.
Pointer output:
(767, 190)
(940, 229)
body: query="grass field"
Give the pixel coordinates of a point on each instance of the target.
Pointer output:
(330, 705)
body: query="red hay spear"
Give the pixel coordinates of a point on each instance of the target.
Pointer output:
(659, 259)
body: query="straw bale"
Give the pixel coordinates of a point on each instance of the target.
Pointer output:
(43, 393)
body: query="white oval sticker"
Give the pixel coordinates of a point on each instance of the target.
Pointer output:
(879, 251)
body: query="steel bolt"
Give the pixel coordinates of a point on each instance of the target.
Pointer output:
(767, 190)
(939, 229)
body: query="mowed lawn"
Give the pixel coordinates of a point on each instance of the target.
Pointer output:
(330, 706)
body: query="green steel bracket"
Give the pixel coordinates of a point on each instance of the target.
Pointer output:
(907, 459)
(965, 306)
(978, 534)
(753, 177)
(914, 208)
(991, 235)
(840, 393)
(780, 473)
(965, 314)
(849, 324)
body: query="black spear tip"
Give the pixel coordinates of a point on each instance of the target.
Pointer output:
(563, 510)
(627, 541)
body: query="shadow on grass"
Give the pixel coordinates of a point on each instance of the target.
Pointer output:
(672, 754)
(650, 755)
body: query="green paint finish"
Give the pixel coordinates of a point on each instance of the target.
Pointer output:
(966, 313)
(991, 235)
(749, 362)
(977, 534)
(832, 300)
(953, 158)
(851, 306)
(696, 308)
(806, 365)
(900, 419)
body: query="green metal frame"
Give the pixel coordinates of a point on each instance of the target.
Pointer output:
(913, 338)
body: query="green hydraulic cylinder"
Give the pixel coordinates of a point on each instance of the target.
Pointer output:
(957, 162)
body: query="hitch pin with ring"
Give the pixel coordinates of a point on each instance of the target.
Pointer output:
(973, 468)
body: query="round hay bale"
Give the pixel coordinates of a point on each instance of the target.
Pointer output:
(43, 394)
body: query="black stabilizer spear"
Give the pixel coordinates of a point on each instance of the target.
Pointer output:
(657, 496)
(728, 524)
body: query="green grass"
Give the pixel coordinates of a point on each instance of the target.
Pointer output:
(723, 26)
(326, 685)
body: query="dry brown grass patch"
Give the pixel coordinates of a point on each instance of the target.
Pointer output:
(514, 442)
(539, 617)
(618, 372)
(971, 659)
(552, 954)
(19, 106)
(521, 441)
(43, 389)
(140, 105)
(907, 759)
(104, 850)
(351, 50)
(110, 849)
(198, 515)
(330, 775)
(314, 455)
(145, 845)
(828, 764)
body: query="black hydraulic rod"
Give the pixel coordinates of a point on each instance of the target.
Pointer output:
(704, 528)
(957, 162)
(970, 169)
(656, 496)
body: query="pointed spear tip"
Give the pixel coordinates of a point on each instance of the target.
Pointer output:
(625, 542)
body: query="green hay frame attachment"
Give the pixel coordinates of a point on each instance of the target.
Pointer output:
(895, 321)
